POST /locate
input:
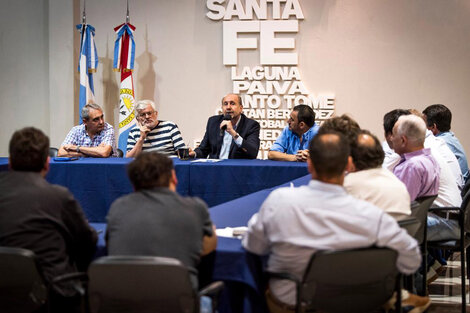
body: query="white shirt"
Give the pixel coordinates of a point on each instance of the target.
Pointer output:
(295, 222)
(439, 146)
(381, 188)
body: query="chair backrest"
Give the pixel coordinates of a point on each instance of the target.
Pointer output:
(465, 206)
(465, 188)
(411, 225)
(22, 287)
(53, 152)
(359, 280)
(419, 210)
(140, 284)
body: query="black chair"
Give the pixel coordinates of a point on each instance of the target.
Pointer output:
(120, 154)
(419, 210)
(53, 152)
(22, 286)
(411, 225)
(144, 284)
(358, 280)
(462, 243)
(465, 188)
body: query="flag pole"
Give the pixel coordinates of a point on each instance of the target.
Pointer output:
(84, 13)
(124, 56)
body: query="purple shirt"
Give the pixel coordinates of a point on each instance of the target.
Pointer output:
(419, 171)
(79, 137)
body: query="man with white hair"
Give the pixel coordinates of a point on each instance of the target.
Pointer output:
(151, 134)
(419, 171)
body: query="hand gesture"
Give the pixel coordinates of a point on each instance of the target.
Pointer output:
(302, 155)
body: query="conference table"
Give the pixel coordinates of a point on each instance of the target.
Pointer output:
(96, 183)
(241, 271)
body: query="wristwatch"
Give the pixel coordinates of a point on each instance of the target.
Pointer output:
(78, 149)
(236, 136)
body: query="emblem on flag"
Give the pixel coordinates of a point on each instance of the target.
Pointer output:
(124, 55)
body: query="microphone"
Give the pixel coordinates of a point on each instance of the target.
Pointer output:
(227, 117)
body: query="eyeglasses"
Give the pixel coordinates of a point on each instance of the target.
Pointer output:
(145, 114)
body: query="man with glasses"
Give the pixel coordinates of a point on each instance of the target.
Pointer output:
(151, 134)
(93, 138)
(292, 144)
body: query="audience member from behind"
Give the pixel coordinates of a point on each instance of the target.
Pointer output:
(230, 135)
(93, 138)
(151, 134)
(155, 220)
(438, 120)
(417, 168)
(292, 144)
(44, 218)
(391, 158)
(293, 223)
(372, 183)
(343, 124)
(420, 172)
(450, 178)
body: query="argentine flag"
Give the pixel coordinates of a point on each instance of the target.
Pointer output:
(87, 65)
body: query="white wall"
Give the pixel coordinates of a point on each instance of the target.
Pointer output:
(374, 55)
(24, 56)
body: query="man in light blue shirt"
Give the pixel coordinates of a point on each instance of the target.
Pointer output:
(292, 144)
(438, 120)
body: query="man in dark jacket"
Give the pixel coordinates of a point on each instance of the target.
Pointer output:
(231, 135)
(44, 218)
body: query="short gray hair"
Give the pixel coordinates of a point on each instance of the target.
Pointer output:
(413, 127)
(86, 110)
(142, 104)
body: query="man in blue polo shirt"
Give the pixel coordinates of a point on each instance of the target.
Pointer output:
(292, 144)
(438, 119)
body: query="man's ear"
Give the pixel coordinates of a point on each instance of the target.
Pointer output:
(45, 169)
(404, 141)
(174, 179)
(311, 168)
(350, 166)
(434, 129)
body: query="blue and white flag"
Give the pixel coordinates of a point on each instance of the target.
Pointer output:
(87, 65)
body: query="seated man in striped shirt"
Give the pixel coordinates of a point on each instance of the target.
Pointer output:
(150, 134)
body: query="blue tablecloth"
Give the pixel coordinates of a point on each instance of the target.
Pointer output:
(96, 183)
(3, 164)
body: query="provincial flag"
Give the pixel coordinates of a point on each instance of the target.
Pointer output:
(87, 65)
(124, 55)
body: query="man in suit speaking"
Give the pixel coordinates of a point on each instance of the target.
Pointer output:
(230, 135)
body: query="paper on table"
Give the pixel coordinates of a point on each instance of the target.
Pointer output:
(205, 160)
(231, 232)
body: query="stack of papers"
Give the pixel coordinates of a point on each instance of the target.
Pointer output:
(231, 232)
(205, 160)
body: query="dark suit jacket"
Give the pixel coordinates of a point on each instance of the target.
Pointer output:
(46, 219)
(210, 146)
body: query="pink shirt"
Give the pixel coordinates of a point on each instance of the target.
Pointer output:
(419, 171)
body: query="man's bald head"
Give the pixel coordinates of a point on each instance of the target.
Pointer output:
(367, 151)
(329, 154)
